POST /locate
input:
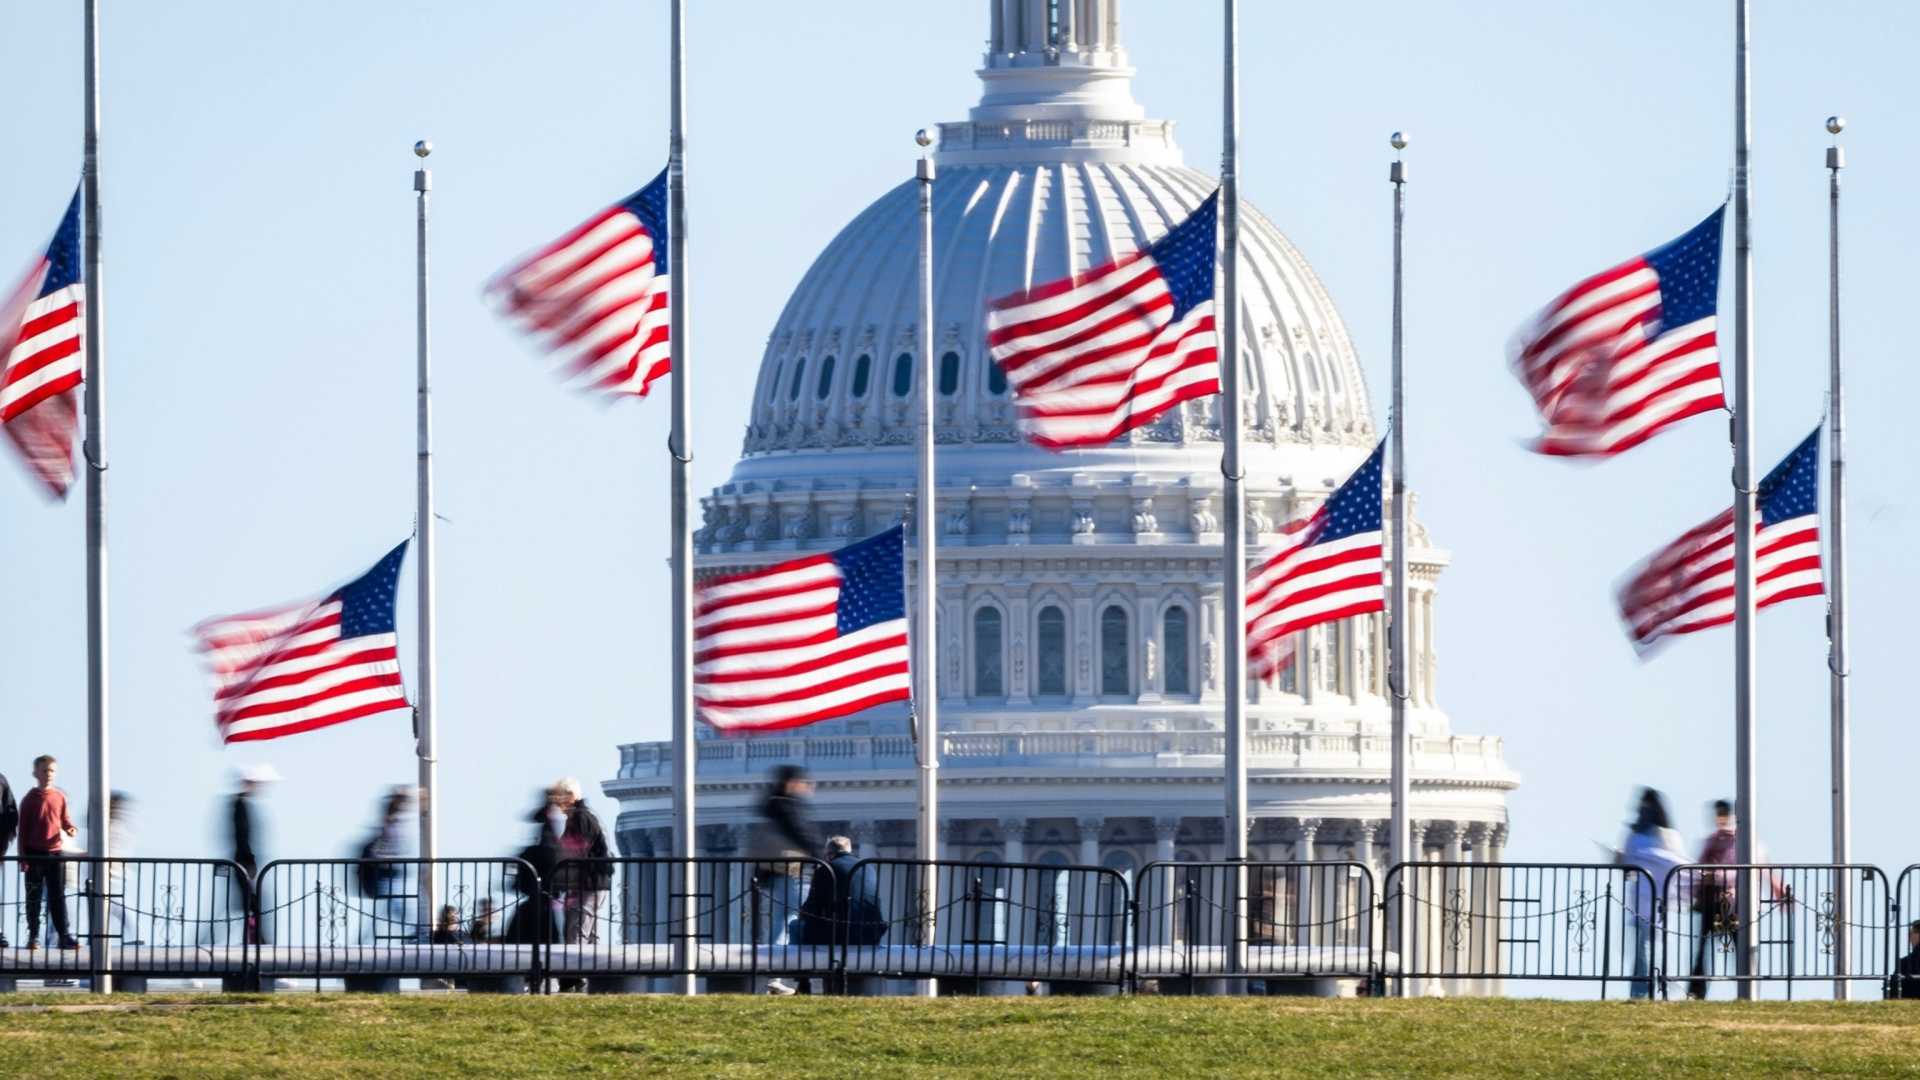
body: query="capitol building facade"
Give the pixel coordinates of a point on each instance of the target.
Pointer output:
(1080, 603)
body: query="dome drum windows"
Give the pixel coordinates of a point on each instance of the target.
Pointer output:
(949, 374)
(862, 372)
(824, 385)
(1116, 667)
(799, 379)
(1050, 653)
(989, 661)
(1176, 642)
(902, 375)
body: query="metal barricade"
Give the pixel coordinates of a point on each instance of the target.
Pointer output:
(1903, 940)
(1808, 917)
(993, 921)
(1468, 928)
(378, 919)
(163, 918)
(1301, 920)
(753, 917)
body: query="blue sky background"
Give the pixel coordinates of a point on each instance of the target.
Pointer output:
(259, 327)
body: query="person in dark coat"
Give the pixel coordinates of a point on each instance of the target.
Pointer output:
(9, 825)
(842, 902)
(245, 855)
(784, 840)
(532, 921)
(1905, 981)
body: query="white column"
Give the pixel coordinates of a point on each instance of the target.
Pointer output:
(861, 833)
(1090, 840)
(1304, 881)
(996, 18)
(1014, 835)
(1036, 26)
(1068, 35)
(1164, 832)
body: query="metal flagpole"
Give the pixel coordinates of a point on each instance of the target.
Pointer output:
(1400, 844)
(926, 676)
(1743, 501)
(426, 719)
(1233, 551)
(94, 452)
(1837, 670)
(685, 848)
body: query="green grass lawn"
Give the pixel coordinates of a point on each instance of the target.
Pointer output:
(370, 1036)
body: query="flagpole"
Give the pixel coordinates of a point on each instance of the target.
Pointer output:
(427, 692)
(1743, 499)
(1233, 551)
(93, 451)
(685, 847)
(926, 675)
(1400, 843)
(1837, 670)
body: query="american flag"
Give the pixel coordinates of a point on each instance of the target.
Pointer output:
(1329, 567)
(308, 665)
(41, 357)
(805, 640)
(1103, 352)
(1628, 352)
(597, 297)
(1688, 585)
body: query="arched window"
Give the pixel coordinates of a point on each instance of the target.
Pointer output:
(996, 379)
(1173, 631)
(1051, 639)
(799, 379)
(825, 382)
(949, 374)
(987, 681)
(862, 369)
(902, 374)
(1114, 669)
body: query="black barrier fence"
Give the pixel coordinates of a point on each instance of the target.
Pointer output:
(1812, 923)
(1295, 920)
(1452, 927)
(160, 918)
(988, 921)
(627, 918)
(1466, 928)
(484, 919)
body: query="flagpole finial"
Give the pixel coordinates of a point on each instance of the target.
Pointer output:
(1399, 140)
(1836, 125)
(923, 138)
(422, 148)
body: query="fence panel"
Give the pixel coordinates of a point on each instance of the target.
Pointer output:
(975, 920)
(401, 918)
(164, 918)
(625, 917)
(1466, 928)
(1303, 920)
(1809, 916)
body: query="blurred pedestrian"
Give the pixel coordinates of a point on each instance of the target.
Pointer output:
(583, 876)
(9, 825)
(446, 930)
(480, 929)
(45, 827)
(532, 922)
(120, 837)
(784, 840)
(244, 830)
(1716, 894)
(1653, 846)
(380, 873)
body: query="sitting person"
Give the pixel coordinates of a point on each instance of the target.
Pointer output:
(1905, 980)
(843, 903)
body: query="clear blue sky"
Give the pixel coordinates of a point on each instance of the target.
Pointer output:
(259, 307)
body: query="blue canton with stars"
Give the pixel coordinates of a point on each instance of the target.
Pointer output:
(649, 204)
(872, 581)
(1186, 257)
(1355, 507)
(1792, 489)
(366, 604)
(63, 255)
(1689, 270)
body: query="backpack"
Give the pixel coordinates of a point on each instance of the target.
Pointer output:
(375, 877)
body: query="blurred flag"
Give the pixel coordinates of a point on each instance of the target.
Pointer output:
(41, 357)
(1688, 585)
(1628, 352)
(1112, 349)
(1329, 567)
(597, 297)
(311, 664)
(805, 640)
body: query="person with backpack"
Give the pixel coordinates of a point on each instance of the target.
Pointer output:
(380, 875)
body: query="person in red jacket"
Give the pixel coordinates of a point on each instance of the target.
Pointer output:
(44, 828)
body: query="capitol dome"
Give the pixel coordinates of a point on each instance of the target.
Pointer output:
(1079, 625)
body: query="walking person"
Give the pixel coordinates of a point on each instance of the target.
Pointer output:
(583, 877)
(381, 873)
(1653, 846)
(243, 828)
(120, 837)
(785, 839)
(45, 827)
(1716, 896)
(9, 825)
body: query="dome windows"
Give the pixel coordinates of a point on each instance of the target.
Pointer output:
(862, 370)
(902, 374)
(799, 379)
(987, 666)
(996, 379)
(1050, 668)
(1115, 677)
(825, 382)
(1174, 638)
(950, 374)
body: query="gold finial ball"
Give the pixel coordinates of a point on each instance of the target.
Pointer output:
(1399, 140)
(422, 148)
(923, 138)
(1836, 124)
